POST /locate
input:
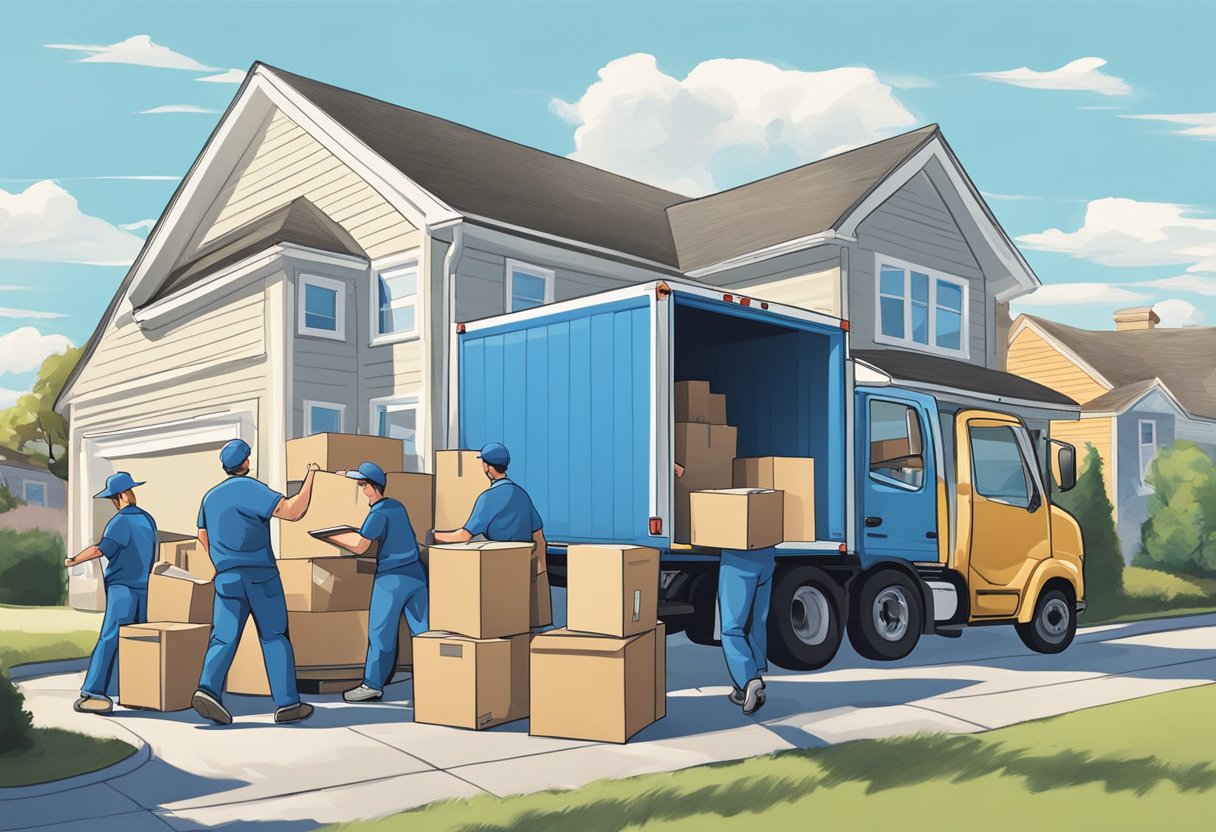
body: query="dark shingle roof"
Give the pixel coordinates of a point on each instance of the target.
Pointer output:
(1119, 398)
(903, 365)
(16, 459)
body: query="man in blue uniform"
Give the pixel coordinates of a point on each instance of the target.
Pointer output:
(504, 511)
(234, 528)
(400, 583)
(129, 544)
(745, 587)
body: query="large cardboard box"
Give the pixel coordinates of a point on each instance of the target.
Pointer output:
(717, 409)
(417, 493)
(342, 452)
(707, 453)
(468, 682)
(339, 584)
(612, 590)
(795, 476)
(592, 687)
(481, 590)
(694, 403)
(737, 518)
(660, 671)
(159, 664)
(459, 481)
(185, 553)
(336, 501)
(176, 595)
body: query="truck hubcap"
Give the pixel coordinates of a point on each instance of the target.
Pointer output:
(1053, 622)
(810, 615)
(891, 614)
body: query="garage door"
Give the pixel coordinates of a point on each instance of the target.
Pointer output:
(176, 482)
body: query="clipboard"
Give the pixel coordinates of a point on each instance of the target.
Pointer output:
(321, 534)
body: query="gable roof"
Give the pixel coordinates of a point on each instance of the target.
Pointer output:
(15, 459)
(908, 366)
(1117, 400)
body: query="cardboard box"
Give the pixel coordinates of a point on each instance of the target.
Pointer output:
(417, 493)
(737, 518)
(342, 452)
(592, 687)
(707, 453)
(540, 606)
(612, 590)
(340, 584)
(795, 476)
(186, 553)
(176, 595)
(159, 664)
(468, 682)
(481, 590)
(692, 401)
(459, 481)
(716, 415)
(660, 671)
(336, 501)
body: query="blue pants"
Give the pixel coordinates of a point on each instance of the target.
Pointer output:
(393, 593)
(240, 593)
(745, 585)
(124, 605)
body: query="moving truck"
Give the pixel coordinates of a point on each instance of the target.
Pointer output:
(927, 518)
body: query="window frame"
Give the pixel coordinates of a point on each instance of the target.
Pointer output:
(920, 427)
(329, 283)
(25, 493)
(934, 275)
(402, 401)
(1145, 488)
(547, 275)
(1021, 442)
(389, 265)
(309, 404)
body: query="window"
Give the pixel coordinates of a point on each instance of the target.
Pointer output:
(323, 417)
(396, 301)
(998, 469)
(527, 286)
(398, 418)
(896, 448)
(34, 493)
(322, 307)
(921, 308)
(1148, 449)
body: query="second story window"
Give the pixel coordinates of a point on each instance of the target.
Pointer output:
(1147, 429)
(322, 307)
(921, 309)
(528, 286)
(396, 301)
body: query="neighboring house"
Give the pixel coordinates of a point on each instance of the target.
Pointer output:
(31, 482)
(1140, 389)
(309, 270)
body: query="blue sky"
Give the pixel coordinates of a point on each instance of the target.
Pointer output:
(1051, 157)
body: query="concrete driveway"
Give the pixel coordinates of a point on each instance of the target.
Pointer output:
(358, 761)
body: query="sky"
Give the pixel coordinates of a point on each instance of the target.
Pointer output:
(1090, 127)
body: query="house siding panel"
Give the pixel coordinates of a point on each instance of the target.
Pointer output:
(1032, 357)
(1096, 431)
(15, 479)
(807, 279)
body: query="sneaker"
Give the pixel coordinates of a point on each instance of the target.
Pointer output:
(209, 707)
(93, 705)
(753, 696)
(293, 713)
(736, 696)
(362, 694)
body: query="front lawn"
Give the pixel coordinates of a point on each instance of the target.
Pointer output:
(1150, 593)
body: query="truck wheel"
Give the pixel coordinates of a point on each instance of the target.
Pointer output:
(699, 626)
(1054, 623)
(804, 620)
(886, 616)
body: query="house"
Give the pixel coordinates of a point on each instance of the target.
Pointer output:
(30, 481)
(1140, 389)
(308, 272)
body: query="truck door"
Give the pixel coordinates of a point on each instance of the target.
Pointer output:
(899, 498)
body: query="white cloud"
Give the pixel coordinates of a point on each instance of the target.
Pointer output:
(907, 82)
(1177, 313)
(8, 398)
(23, 350)
(138, 50)
(1076, 294)
(1196, 283)
(44, 222)
(693, 135)
(1082, 74)
(13, 288)
(232, 76)
(8, 312)
(141, 225)
(1199, 125)
(177, 108)
(1101, 107)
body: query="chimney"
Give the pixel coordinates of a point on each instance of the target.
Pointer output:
(1140, 317)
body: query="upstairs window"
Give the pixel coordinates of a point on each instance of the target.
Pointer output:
(398, 418)
(921, 309)
(322, 307)
(396, 301)
(1148, 450)
(528, 286)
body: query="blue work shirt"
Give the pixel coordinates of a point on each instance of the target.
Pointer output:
(504, 511)
(389, 523)
(236, 514)
(129, 542)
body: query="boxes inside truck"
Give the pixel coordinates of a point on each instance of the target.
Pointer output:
(737, 518)
(612, 590)
(159, 664)
(793, 476)
(469, 682)
(480, 590)
(707, 453)
(342, 452)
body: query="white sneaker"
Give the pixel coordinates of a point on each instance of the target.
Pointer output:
(753, 696)
(362, 694)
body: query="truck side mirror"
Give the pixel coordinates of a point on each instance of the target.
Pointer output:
(1066, 462)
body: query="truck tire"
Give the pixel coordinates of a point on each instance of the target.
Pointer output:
(886, 616)
(1054, 624)
(699, 626)
(805, 625)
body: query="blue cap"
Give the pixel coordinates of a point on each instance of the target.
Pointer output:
(496, 454)
(234, 453)
(369, 471)
(116, 484)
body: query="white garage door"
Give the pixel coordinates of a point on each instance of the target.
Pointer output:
(176, 482)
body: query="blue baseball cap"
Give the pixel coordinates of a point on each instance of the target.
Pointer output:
(116, 484)
(234, 453)
(369, 471)
(496, 454)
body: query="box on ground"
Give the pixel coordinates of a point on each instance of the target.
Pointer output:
(737, 518)
(337, 584)
(417, 493)
(660, 671)
(159, 664)
(336, 501)
(592, 687)
(707, 453)
(481, 590)
(176, 595)
(470, 682)
(342, 452)
(612, 590)
(795, 476)
(187, 553)
(459, 481)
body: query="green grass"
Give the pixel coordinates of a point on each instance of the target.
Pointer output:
(1132, 765)
(1151, 593)
(23, 648)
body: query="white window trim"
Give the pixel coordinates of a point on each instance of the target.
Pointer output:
(25, 493)
(934, 275)
(390, 264)
(309, 404)
(1143, 485)
(404, 401)
(534, 271)
(338, 286)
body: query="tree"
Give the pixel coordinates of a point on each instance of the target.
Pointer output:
(8, 501)
(1089, 503)
(1180, 533)
(32, 426)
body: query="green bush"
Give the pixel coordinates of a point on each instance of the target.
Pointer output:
(16, 723)
(8, 501)
(1089, 503)
(1180, 533)
(31, 568)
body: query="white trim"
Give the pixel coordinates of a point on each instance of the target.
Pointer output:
(308, 406)
(253, 266)
(959, 393)
(388, 265)
(934, 275)
(25, 492)
(327, 258)
(771, 252)
(545, 275)
(397, 402)
(1112, 476)
(338, 287)
(1025, 322)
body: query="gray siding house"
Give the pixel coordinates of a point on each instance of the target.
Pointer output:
(30, 482)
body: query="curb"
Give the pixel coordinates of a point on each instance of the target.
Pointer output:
(34, 670)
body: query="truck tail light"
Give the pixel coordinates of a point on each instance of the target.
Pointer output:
(844, 549)
(844, 325)
(662, 291)
(656, 526)
(460, 329)
(745, 301)
(728, 298)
